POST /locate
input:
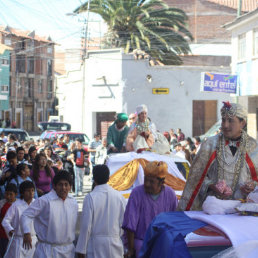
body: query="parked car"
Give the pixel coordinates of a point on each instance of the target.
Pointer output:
(20, 134)
(57, 126)
(72, 135)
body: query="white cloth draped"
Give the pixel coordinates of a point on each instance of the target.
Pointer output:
(11, 222)
(116, 161)
(101, 222)
(54, 222)
(239, 229)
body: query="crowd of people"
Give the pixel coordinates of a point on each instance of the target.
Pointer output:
(38, 212)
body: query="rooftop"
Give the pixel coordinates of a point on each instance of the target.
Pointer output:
(247, 5)
(24, 34)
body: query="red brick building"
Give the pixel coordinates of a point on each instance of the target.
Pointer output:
(207, 16)
(31, 87)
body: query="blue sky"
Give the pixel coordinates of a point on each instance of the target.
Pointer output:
(48, 18)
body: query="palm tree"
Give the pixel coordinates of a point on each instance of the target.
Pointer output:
(151, 26)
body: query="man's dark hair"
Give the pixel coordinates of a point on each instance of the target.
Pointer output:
(24, 186)
(101, 174)
(20, 149)
(31, 149)
(78, 140)
(12, 137)
(63, 175)
(11, 188)
(192, 148)
(11, 155)
(20, 167)
(197, 138)
(96, 135)
(241, 120)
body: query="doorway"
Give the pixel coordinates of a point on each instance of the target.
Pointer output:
(104, 120)
(204, 115)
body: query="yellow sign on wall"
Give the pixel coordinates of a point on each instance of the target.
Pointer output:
(160, 91)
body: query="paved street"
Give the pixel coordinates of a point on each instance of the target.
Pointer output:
(87, 183)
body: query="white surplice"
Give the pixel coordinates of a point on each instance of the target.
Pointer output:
(11, 222)
(55, 223)
(101, 222)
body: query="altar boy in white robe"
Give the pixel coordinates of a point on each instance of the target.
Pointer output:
(11, 223)
(102, 218)
(54, 216)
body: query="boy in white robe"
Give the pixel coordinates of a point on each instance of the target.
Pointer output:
(102, 218)
(54, 216)
(11, 223)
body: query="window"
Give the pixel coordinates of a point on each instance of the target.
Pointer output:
(4, 89)
(40, 88)
(30, 87)
(20, 45)
(5, 61)
(20, 63)
(49, 50)
(49, 89)
(30, 64)
(31, 45)
(7, 41)
(255, 42)
(241, 47)
(49, 67)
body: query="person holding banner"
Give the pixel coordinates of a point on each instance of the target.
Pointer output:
(226, 165)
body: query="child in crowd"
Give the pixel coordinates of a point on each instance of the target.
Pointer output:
(9, 170)
(23, 174)
(5, 204)
(11, 223)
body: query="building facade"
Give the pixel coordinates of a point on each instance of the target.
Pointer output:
(115, 82)
(4, 79)
(244, 32)
(31, 88)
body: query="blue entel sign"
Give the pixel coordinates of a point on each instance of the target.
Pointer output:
(215, 82)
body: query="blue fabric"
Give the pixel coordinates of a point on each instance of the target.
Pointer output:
(165, 235)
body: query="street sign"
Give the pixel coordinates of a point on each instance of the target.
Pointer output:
(160, 91)
(215, 82)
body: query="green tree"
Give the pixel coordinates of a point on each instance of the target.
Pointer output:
(151, 26)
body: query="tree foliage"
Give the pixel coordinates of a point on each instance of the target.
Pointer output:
(151, 26)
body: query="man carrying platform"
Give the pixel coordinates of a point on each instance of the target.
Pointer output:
(226, 165)
(145, 202)
(117, 134)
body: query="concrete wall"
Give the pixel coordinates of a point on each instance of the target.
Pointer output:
(246, 68)
(69, 94)
(104, 87)
(175, 109)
